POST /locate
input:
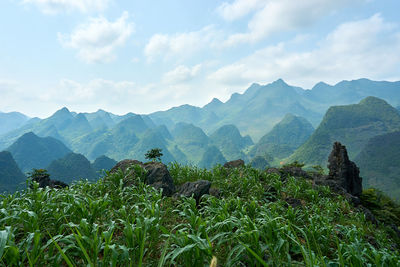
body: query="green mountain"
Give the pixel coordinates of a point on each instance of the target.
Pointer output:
(379, 163)
(31, 151)
(266, 105)
(72, 167)
(100, 119)
(103, 163)
(151, 139)
(211, 157)
(352, 125)
(230, 142)
(284, 138)
(11, 177)
(191, 140)
(11, 121)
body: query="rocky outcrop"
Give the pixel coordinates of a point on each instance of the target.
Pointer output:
(196, 189)
(234, 164)
(157, 174)
(124, 165)
(43, 179)
(343, 171)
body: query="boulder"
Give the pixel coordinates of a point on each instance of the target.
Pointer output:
(44, 181)
(343, 171)
(234, 164)
(215, 192)
(125, 164)
(196, 189)
(157, 174)
(57, 184)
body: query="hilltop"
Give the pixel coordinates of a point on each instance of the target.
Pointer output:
(31, 151)
(352, 125)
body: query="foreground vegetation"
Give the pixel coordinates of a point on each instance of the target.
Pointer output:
(251, 224)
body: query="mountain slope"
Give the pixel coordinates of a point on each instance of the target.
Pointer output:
(11, 177)
(379, 163)
(191, 140)
(11, 121)
(31, 151)
(284, 138)
(72, 167)
(230, 142)
(103, 163)
(211, 157)
(352, 125)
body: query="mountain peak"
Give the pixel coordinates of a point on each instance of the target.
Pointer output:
(370, 100)
(280, 82)
(215, 102)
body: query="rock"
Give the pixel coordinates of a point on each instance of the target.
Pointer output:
(157, 175)
(294, 202)
(343, 171)
(57, 184)
(215, 192)
(196, 189)
(44, 181)
(234, 164)
(369, 216)
(125, 164)
(294, 171)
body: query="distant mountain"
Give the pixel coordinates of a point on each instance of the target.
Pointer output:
(72, 167)
(11, 177)
(151, 139)
(103, 163)
(100, 119)
(31, 151)
(191, 140)
(284, 138)
(379, 163)
(211, 157)
(116, 142)
(11, 121)
(230, 142)
(254, 112)
(260, 107)
(352, 125)
(259, 162)
(348, 92)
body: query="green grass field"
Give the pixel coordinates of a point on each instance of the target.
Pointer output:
(107, 224)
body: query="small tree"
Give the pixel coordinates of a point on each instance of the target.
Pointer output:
(154, 154)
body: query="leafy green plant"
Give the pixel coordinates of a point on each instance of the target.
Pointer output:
(154, 154)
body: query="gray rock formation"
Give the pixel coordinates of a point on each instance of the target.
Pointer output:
(196, 189)
(234, 164)
(343, 171)
(44, 181)
(157, 174)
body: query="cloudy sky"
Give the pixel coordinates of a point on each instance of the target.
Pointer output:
(143, 56)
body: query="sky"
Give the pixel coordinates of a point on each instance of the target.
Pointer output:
(145, 56)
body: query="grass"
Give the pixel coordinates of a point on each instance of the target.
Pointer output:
(107, 224)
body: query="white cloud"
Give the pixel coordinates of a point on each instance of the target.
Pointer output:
(181, 74)
(56, 6)
(272, 16)
(239, 8)
(366, 48)
(180, 45)
(97, 39)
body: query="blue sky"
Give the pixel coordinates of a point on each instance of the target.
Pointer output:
(145, 56)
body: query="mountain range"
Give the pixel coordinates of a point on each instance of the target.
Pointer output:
(266, 125)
